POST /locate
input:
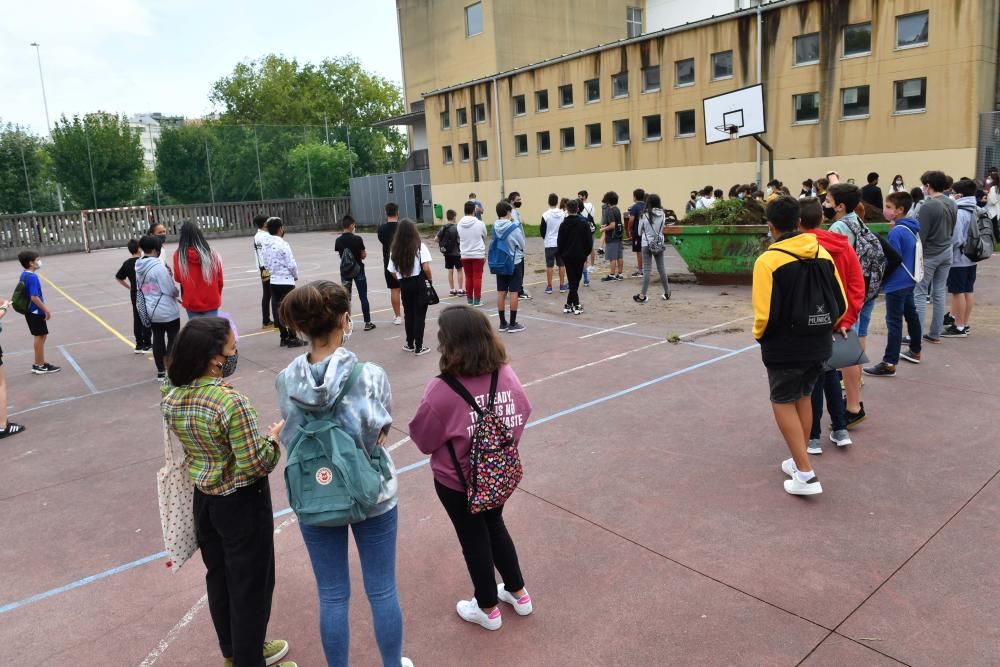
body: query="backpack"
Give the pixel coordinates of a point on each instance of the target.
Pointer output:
(145, 315)
(872, 256)
(815, 304)
(500, 256)
(918, 259)
(331, 479)
(349, 265)
(494, 463)
(981, 240)
(20, 301)
(656, 245)
(446, 239)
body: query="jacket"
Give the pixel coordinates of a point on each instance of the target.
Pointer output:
(365, 411)
(774, 275)
(651, 225)
(549, 230)
(197, 294)
(280, 262)
(574, 240)
(849, 270)
(515, 242)
(965, 219)
(993, 202)
(903, 237)
(472, 237)
(157, 291)
(260, 239)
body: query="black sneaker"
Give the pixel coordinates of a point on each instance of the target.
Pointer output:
(608, 279)
(369, 326)
(948, 319)
(10, 429)
(422, 351)
(139, 349)
(44, 369)
(148, 349)
(161, 376)
(408, 347)
(951, 331)
(524, 295)
(881, 369)
(503, 326)
(935, 341)
(855, 418)
(568, 309)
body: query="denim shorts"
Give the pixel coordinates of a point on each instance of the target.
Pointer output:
(791, 384)
(864, 319)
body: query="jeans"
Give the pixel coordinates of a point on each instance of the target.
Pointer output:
(143, 335)
(414, 309)
(899, 305)
(362, 282)
(934, 284)
(163, 341)
(574, 272)
(473, 269)
(265, 301)
(828, 384)
(376, 542)
(207, 313)
(647, 270)
(278, 294)
(864, 318)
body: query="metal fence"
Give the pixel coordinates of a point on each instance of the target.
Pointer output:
(411, 190)
(988, 154)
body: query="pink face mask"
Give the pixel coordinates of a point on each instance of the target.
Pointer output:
(889, 214)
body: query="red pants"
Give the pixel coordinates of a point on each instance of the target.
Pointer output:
(473, 277)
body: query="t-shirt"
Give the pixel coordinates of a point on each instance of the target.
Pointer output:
(33, 287)
(128, 271)
(634, 211)
(424, 256)
(386, 232)
(354, 242)
(613, 214)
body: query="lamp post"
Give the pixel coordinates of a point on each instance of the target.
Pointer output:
(45, 102)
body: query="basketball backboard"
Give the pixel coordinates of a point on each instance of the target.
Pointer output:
(739, 113)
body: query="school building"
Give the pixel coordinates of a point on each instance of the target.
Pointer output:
(853, 85)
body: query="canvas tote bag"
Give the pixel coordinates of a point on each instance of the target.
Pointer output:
(176, 495)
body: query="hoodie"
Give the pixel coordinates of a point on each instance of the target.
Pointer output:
(574, 240)
(651, 225)
(197, 295)
(849, 270)
(156, 292)
(364, 412)
(515, 242)
(903, 237)
(937, 224)
(551, 220)
(472, 237)
(968, 211)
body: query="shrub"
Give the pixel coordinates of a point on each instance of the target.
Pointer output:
(728, 212)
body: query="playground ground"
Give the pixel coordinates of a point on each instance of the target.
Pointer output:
(651, 523)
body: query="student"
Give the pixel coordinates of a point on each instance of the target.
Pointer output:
(773, 190)
(473, 354)
(410, 262)
(510, 285)
(962, 275)
(156, 294)
(793, 362)
(280, 264)
(822, 185)
(692, 203)
(897, 184)
(472, 248)
(632, 224)
(587, 211)
(917, 194)
(159, 230)
(38, 313)
(872, 193)
(450, 246)
(807, 190)
(898, 289)
(232, 499)
(143, 335)
(613, 227)
(348, 240)
(651, 228)
(514, 199)
(309, 387)
(549, 230)
(853, 280)
(386, 231)
(260, 239)
(574, 244)
(937, 216)
(477, 206)
(198, 269)
(10, 428)
(706, 198)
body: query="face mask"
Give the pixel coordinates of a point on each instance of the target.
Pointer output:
(348, 331)
(769, 192)
(229, 365)
(39, 263)
(517, 204)
(889, 214)
(741, 195)
(829, 213)
(899, 182)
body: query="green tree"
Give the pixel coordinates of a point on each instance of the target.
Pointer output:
(326, 165)
(181, 168)
(25, 183)
(101, 144)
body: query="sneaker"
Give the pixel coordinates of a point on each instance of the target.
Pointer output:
(568, 309)
(952, 331)
(906, 340)
(811, 487)
(148, 349)
(274, 650)
(788, 467)
(161, 376)
(666, 296)
(563, 289)
(469, 611)
(600, 251)
(422, 351)
(548, 290)
(522, 605)
(586, 280)
(935, 341)
(477, 303)
(10, 429)
(460, 292)
(619, 277)
(453, 293)
(517, 327)
(44, 368)
(397, 320)
(295, 342)
(469, 301)
(408, 347)
(841, 437)
(578, 309)
(503, 326)
(406, 662)
(911, 356)
(881, 369)
(608, 279)
(369, 326)
(139, 349)
(948, 319)
(855, 418)
(523, 294)
(814, 446)
(639, 298)
(637, 274)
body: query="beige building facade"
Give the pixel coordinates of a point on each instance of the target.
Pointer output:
(852, 85)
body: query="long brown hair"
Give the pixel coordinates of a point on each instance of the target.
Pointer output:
(316, 309)
(405, 246)
(468, 344)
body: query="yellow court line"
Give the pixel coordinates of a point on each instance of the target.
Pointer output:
(88, 311)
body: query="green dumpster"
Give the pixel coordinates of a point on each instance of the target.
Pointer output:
(438, 211)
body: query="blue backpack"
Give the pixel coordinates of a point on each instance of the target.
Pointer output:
(331, 480)
(501, 257)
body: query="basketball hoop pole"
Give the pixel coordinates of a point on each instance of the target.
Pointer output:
(770, 156)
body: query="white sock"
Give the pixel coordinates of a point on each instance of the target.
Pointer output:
(804, 476)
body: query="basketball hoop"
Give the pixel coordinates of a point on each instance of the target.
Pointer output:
(732, 130)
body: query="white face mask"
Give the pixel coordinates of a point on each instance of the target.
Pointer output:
(39, 265)
(348, 331)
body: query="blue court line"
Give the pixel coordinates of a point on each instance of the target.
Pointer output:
(413, 466)
(79, 371)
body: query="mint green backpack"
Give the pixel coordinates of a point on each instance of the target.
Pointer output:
(330, 480)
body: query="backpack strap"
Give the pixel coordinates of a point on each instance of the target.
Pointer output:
(460, 389)
(351, 379)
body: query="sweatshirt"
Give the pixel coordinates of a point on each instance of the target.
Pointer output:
(937, 224)
(551, 220)
(515, 242)
(840, 227)
(849, 270)
(157, 291)
(651, 225)
(197, 294)
(472, 237)
(444, 416)
(574, 240)
(280, 262)
(903, 237)
(364, 412)
(967, 212)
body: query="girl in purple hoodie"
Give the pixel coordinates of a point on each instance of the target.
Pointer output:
(471, 351)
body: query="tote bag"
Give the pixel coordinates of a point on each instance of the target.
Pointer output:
(176, 496)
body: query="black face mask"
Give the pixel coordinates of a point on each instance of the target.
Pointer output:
(517, 204)
(829, 213)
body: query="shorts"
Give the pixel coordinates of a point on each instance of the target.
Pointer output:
(391, 281)
(636, 244)
(1, 357)
(514, 282)
(864, 318)
(452, 262)
(613, 250)
(961, 279)
(37, 324)
(791, 384)
(552, 258)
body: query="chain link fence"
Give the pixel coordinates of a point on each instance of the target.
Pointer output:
(988, 154)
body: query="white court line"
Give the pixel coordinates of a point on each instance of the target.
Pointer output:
(396, 445)
(186, 619)
(707, 347)
(716, 326)
(593, 363)
(604, 331)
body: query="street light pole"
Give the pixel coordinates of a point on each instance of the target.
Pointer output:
(45, 102)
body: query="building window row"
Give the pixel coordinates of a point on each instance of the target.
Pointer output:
(912, 30)
(910, 96)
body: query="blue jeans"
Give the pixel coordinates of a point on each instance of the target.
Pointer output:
(935, 282)
(900, 305)
(864, 318)
(828, 384)
(376, 541)
(362, 283)
(208, 313)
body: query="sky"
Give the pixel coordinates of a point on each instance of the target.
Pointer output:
(139, 56)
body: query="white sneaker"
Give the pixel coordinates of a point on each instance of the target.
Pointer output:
(788, 467)
(808, 488)
(397, 320)
(469, 611)
(841, 438)
(406, 662)
(522, 605)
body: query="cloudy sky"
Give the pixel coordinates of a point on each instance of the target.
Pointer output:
(136, 56)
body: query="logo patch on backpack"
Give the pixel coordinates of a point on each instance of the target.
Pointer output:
(324, 476)
(821, 317)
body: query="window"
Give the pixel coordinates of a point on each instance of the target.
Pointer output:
(651, 128)
(807, 49)
(911, 95)
(481, 151)
(520, 144)
(805, 108)
(593, 135)
(567, 138)
(633, 21)
(566, 95)
(722, 65)
(445, 120)
(479, 113)
(684, 72)
(446, 154)
(685, 123)
(620, 129)
(519, 106)
(463, 152)
(462, 116)
(542, 139)
(858, 40)
(542, 100)
(593, 88)
(854, 102)
(619, 85)
(474, 19)
(651, 79)
(911, 30)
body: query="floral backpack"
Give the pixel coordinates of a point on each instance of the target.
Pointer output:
(494, 464)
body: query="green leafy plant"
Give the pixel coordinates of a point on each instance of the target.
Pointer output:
(728, 212)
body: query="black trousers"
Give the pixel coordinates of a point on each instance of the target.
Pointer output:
(163, 341)
(574, 273)
(414, 310)
(278, 294)
(265, 302)
(485, 544)
(143, 335)
(236, 538)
